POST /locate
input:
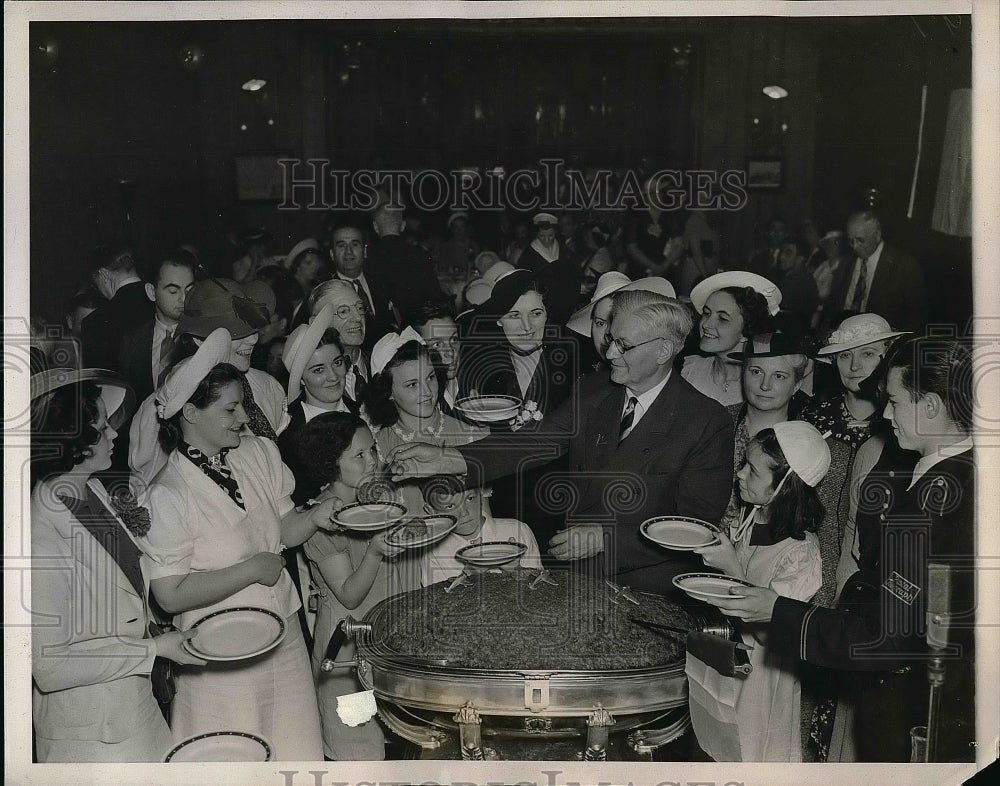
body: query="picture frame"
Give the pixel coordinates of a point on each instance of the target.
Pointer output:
(765, 174)
(258, 176)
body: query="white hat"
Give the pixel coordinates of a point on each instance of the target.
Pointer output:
(857, 331)
(544, 218)
(478, 290)
(455, 216)
(385, 348)
(737, 278)
(303, 245)
(833, 234)
(183, 379)
(300, 346)
(608, 284)
(805, 450)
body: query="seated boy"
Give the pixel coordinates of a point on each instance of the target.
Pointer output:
(471, 508)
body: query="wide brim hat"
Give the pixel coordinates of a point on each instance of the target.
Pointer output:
(478, 290)
(806, 452)
(610, 283)
(222, 303)
(554, 277)
(309, 244)
(856, 331)
(117, 395)
(544, 219)
(770, 345)
(183, 379)
(737, 278)
(300, 345)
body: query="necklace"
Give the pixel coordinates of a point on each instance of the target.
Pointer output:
(721, 376)
(435, 430)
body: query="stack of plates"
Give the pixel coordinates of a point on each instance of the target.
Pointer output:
(488, 409)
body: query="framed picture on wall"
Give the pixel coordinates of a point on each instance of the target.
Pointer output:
(259, 176)
(765, 174)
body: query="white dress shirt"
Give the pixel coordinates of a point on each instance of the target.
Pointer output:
(872, 264)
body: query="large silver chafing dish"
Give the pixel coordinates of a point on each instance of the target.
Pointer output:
(431, 697)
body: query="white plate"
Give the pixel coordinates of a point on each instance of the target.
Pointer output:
(488, 409)
(679, 533)
(491, 554)
(235, 634)
(709, 585)
(370, 517)
(221, 746)
(438, 528)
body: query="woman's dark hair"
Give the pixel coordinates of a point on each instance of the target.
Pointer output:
(321, 442)
(206, 394)
(331, 336)
(378, 403)
(796, 508)
(942, 366)
(753, 307)
(62, 429)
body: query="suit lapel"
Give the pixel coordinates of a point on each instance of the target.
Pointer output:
(656, 423)
(606, 418)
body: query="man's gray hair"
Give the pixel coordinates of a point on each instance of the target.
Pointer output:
(665, 316)
(324, 289)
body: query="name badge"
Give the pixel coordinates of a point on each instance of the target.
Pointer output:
(901, 588)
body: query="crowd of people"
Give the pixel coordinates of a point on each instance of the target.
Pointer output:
(203, 430)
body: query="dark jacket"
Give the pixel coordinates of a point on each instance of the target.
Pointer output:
(102, 330)
(679, 459)
(897, 294)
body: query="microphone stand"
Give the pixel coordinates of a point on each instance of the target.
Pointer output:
(938, 623)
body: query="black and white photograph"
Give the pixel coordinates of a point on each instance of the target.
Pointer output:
(544, 392)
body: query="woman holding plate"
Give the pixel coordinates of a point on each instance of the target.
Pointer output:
(222, 513)
(92, 690)
(354, 570)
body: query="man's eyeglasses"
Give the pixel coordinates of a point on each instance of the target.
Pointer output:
(345, 311)
(624, 348)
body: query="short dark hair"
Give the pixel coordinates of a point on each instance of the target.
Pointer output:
(321, 442)
(111, 257)
(378, 403)
(62, 429)
(753, 307)
(942, 366)
(437, 308)
(207, 393)
(796, 508)
(178, 258)
(802, 247)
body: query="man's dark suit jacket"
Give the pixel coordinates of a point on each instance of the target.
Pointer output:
(897, 294)
(135, 360)
(101, 331)
(677, 460)
(406, 272)
(879, 625)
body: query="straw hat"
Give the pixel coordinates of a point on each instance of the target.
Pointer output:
(857, 331)
(737, 278)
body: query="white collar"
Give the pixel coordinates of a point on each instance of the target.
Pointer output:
(925, 463)
(646, 399)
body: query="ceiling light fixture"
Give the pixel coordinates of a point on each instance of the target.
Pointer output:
(775, 91)
(253, 85)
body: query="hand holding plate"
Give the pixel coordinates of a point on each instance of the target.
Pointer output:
(721, 555)
(383, 549)
(755, 605)
(420, 459)
(168, 645)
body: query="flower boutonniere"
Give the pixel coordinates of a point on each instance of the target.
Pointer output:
(135, 516)
(529, 412)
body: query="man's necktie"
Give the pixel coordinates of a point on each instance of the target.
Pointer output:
(861, 288)
(628, 418)
(163, 364)
(258, 422)
(364, 295)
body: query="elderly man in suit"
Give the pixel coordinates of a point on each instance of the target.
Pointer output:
(641, 443)
(883, 280)
(349, 253)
